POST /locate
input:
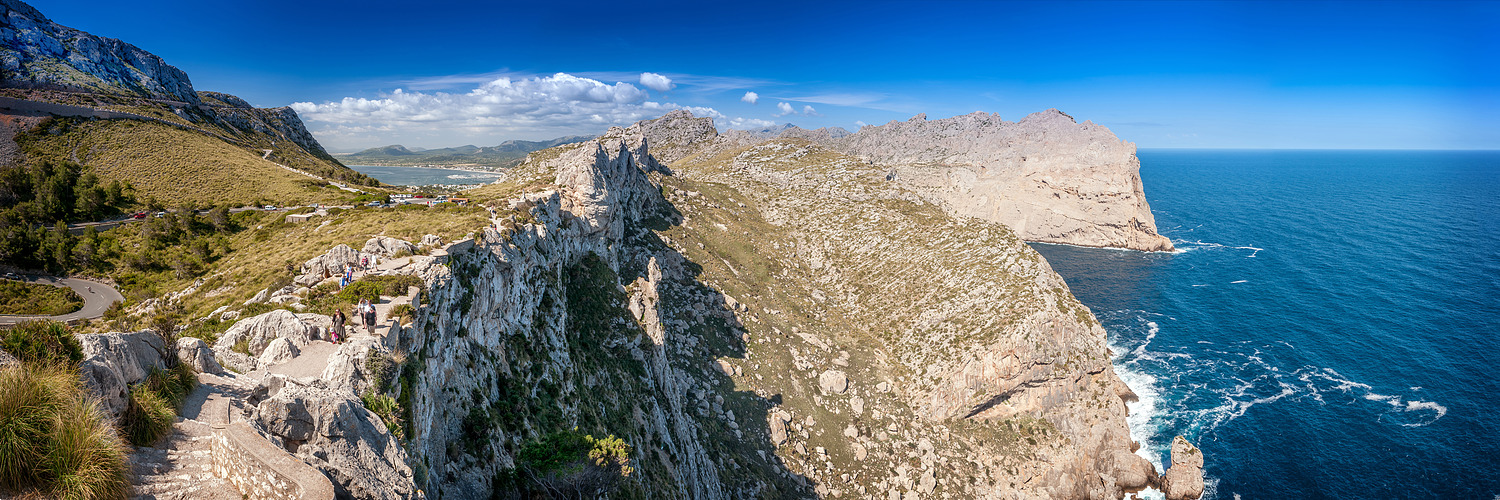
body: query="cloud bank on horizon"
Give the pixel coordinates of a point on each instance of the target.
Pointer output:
(506, 107)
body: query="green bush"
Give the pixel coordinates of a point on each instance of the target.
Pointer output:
(148, 418)
(576, 464)
(381, 368)
(387, 409)
(53, 439)
(42, 342)
(154, 402)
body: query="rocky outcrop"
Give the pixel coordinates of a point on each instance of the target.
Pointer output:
(43, 54)
(114, 361)
(1048, 177)
(329, 265)
(332, 431)
(388, 246)
(196, 354)
(256, 333)
(1184, 478)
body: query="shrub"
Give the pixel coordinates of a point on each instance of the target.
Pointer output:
(403, 311)
(53, 439)
(579, 465)
(148, 418)
(381, 369)
(387, 409)
(154, 402)
(42, 341)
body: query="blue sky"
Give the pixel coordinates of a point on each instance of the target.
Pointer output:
(1173, 74)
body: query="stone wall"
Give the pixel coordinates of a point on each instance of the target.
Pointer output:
(260, 470)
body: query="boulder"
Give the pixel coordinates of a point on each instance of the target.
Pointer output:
(330, 264)
(259, 297)
(229, 316)
(7, 359)
(388, 246)
(195, 353)
(113, 361)
(258, 332)
(1131, 472)
(332, 431)
(778, 428)
(833, 382)
(279, 351)
(1184, 479)
(432, 241)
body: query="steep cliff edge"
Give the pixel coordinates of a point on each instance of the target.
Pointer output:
(1048, 177)
(775, 319)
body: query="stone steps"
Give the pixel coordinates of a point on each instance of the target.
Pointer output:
(181, 466)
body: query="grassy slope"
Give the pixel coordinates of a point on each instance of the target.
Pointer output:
(259, 254)
(30, 298)
(175, 165)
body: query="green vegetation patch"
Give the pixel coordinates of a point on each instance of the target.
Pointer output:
(574, 464)
(42, 342)
(154, 404)
(55, 441)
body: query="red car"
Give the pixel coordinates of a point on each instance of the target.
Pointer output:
(139, 215)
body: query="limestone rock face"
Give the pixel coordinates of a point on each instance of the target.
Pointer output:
(388, 246)
(329, 265)
(43, 54)
(113, 361)
(1047, 177)
(332, 431)
(1184, 478)
(280, 350)
(196, 354)
(259, 331)
(432, 240)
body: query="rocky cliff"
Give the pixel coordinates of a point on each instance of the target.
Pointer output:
(1048, 177)
(771, 319)
(42, 54)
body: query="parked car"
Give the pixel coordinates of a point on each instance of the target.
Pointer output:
(373, 204)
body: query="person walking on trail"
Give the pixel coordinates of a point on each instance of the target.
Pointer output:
(368, 310)
(338, 325)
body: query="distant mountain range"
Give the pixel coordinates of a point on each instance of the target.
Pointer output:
(506, 154)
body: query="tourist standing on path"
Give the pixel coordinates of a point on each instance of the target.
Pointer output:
(339, 319)
(368, 310)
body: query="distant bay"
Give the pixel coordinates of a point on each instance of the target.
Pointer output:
(421, 176)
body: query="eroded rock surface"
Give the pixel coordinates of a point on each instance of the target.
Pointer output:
(1184, 478)
(114, 361)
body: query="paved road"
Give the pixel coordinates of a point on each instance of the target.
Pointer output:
(95, 302)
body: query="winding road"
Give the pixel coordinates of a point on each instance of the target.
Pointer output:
(97, 297)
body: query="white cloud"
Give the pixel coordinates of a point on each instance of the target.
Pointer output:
(861, 124)
(656, 82)
(744, 123)
(809, 111)
(786, 109)
(750, 97)
(509, 107)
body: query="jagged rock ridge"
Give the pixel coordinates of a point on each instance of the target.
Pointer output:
(40, 53)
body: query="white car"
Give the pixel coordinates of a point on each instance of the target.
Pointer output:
(270, 207)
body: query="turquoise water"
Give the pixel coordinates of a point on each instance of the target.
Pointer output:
(1328, 328)
(418, 176)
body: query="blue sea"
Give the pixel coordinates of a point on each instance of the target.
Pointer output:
(1329, 328)
(421, 176)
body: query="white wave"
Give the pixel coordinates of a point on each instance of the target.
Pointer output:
(1240, 281)
(1184, 246)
